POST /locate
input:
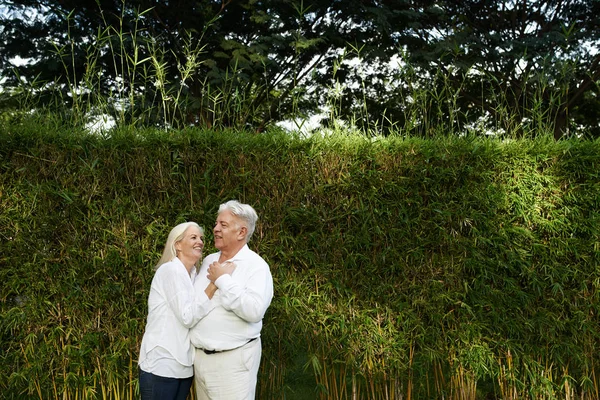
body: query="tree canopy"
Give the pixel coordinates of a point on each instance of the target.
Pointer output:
(516, 66)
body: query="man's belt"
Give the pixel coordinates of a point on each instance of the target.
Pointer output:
(223, 351)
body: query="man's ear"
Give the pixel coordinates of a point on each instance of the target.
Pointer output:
(243, 233)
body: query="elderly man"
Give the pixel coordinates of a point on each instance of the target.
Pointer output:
(239, 285)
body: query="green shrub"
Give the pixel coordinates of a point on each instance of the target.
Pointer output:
(410, 268)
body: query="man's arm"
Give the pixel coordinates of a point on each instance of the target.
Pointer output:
(248, 298)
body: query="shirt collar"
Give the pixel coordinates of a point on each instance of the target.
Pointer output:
(240, 254)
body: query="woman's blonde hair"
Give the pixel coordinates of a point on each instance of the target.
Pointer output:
(175, 236)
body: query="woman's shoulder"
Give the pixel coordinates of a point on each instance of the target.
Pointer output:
(170, 267)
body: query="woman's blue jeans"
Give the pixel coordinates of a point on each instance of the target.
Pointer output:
(154, 387)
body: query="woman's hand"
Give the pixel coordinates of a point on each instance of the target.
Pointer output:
(216, 270)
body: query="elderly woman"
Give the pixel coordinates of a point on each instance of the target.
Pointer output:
(166, 354)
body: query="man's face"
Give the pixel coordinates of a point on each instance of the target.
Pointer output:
(229, 232)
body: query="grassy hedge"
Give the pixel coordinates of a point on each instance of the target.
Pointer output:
(404, 268)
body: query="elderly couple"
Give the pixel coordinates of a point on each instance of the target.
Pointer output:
(205, 326)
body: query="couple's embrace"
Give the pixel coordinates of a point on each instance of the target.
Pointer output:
(204, 325)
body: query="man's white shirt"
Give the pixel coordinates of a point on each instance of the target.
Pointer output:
(239, 304)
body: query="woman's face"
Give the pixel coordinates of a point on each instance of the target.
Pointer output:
(191, 245)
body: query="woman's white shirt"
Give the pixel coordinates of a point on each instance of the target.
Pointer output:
(173, 308)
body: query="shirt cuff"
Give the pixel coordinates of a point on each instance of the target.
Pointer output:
(224, 281)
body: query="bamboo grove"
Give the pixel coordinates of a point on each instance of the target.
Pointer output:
(455, 268)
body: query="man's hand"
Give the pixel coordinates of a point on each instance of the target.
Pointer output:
(216, 269)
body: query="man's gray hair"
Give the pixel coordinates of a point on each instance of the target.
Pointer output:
(245, 212)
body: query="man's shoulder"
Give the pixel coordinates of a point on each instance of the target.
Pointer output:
(212, 256)
(250, 254)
